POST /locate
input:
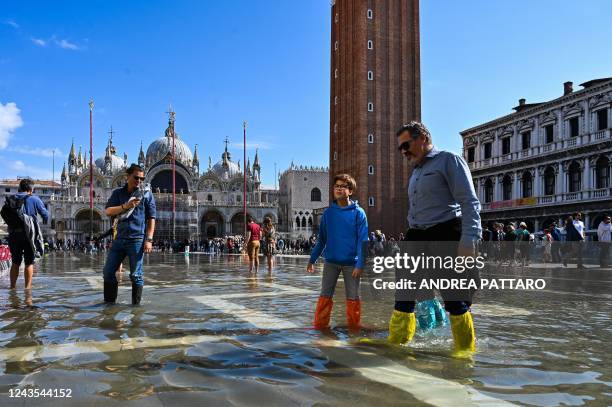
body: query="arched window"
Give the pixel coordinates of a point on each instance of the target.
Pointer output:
(297, 221)
(488, 192)
(209, 197)
(507, 188)
(549, 181)
(575, 177)
(602, 173)
(310, 221)
(315, 195)
(527, 185)
(303, 222)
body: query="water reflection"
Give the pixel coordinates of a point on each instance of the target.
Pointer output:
(206, 331)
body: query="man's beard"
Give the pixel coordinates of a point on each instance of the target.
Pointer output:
(412, 161)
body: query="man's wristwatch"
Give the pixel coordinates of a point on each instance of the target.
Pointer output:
(149, 239)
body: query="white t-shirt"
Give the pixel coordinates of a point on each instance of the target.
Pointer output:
(579, 225)
(604, 232)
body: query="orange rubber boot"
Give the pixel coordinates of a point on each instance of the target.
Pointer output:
(353, 314)
(323, 312)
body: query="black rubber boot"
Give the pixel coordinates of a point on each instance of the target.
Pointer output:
(136, 294)
(110, 292)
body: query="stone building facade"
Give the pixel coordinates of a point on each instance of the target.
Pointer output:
(546, 160)
(42, 188)
(375, 88)
(209, 200)
(302, 190)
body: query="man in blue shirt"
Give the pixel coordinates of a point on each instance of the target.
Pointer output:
(443, 207)
(136, 212)
(21, 248)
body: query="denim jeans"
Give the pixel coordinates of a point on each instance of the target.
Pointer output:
(134, 250)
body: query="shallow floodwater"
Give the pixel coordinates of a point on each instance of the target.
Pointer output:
(207, 331)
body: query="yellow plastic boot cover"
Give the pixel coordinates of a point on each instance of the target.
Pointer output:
(402, 326)
(463, 332)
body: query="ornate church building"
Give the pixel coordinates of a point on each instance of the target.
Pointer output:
(209, 202)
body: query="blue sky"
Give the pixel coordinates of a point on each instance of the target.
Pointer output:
(221, 62)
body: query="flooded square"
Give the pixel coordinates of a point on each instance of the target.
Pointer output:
(207, 331)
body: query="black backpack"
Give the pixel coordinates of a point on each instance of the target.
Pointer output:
(13, 212)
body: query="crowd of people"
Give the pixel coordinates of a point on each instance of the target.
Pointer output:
(512, 245)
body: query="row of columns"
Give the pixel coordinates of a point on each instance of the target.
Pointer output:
(562, 181)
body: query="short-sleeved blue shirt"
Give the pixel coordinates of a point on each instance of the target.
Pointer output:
(134, 226)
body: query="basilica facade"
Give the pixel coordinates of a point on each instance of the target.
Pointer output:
(209, 201)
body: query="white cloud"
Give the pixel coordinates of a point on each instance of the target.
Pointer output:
(39, 42)
(16, 165)
(9, 121)
(41, 152)
(252, 145)
(60, 42)
(65, 44)
(18, 168)
(12, 23)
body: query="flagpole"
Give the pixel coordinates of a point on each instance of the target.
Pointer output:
(91, 106)
(173, 182)
(244, 200)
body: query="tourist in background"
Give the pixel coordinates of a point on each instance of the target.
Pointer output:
(253, 237)
(22, 233)
(604, 236)
(136, 210)
(268, 233)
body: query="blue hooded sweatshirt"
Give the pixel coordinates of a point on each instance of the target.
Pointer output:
(342, 233)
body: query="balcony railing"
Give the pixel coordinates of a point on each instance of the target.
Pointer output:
(76, 199)
(585, 139)
(600, 135)
(600, 193)
(572, 196)
(547, 199)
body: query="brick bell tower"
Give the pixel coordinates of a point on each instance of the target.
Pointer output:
(375, 88)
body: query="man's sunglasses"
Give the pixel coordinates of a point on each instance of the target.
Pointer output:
(138, 178)
(405, 146)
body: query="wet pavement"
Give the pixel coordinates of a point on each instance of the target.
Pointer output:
(207, 331)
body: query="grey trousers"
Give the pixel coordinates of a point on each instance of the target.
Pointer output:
(331, 272)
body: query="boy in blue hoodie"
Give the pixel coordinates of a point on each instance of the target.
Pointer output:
(342, 233)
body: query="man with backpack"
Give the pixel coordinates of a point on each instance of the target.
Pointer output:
(20, 212)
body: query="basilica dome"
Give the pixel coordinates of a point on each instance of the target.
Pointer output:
(226, 168)
(116, 163)
(162, 146)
